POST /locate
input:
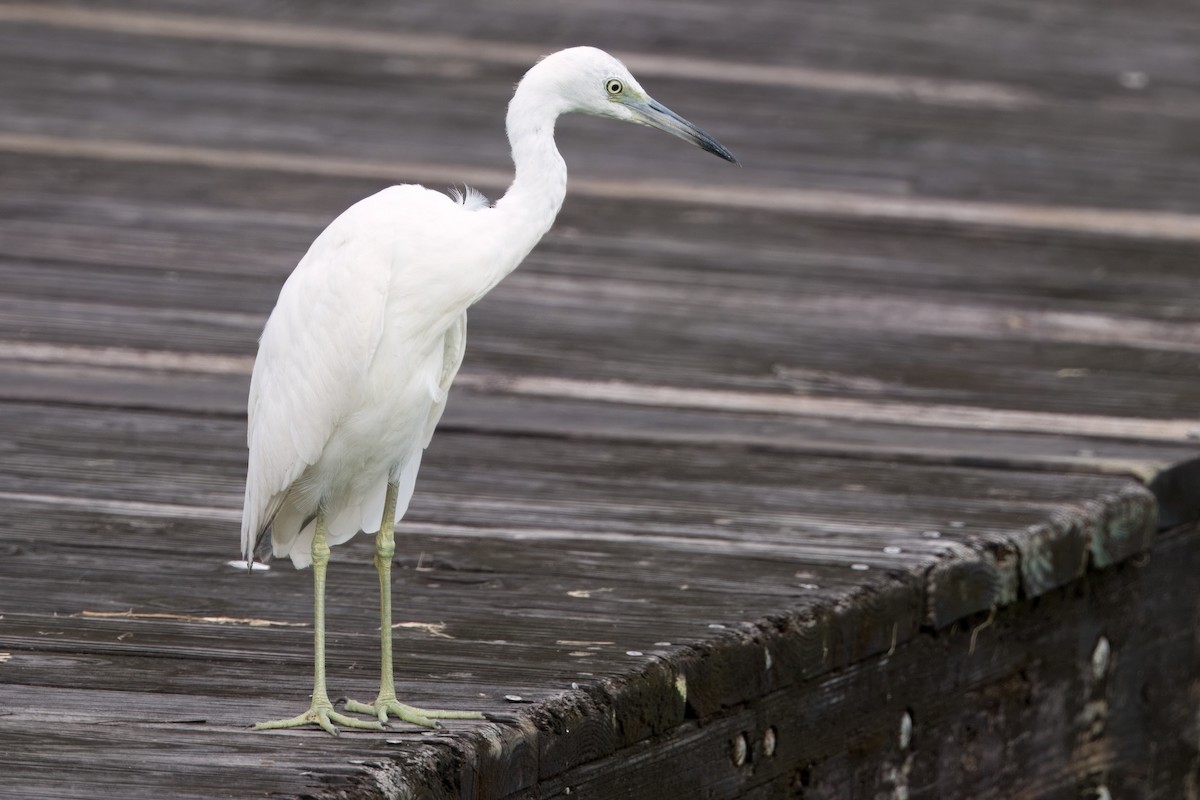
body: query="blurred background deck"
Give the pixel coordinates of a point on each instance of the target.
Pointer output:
(778, 462)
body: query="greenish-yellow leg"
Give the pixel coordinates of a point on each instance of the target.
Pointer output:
(321, 711)
(386, 703)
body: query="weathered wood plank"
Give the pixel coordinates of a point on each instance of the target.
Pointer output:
(488, 407)
(1028, 707)
(527, 330)
(929, 149)
(813, 518)
(1005, 649)
(248, 227)
(798, 342)
(952, 293)
(914, 39)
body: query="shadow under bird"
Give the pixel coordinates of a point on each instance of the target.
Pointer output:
(368, 333)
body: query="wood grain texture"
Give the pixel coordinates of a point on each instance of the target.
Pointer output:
(1088, 122)
(1024, 708)
(883, 423)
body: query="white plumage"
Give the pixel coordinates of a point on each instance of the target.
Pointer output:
(356, 359)
(354, 365)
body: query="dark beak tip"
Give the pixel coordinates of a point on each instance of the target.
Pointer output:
(721, 152)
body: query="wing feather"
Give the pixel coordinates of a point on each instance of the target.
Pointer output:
(315, 349)
(316, 352)
(455, 346)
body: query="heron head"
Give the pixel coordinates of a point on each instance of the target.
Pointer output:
(590, 81)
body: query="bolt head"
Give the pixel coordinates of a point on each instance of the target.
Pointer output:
(1101, 658)
(740, 750)
(906, 726)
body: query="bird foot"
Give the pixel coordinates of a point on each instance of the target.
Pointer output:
(320, 713)
(425, 718)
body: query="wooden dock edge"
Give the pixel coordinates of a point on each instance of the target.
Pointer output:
(1068, 650)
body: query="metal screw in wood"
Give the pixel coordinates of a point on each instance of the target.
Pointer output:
(1100, 658)
(740, 750)
(906, 727)
(769, 742)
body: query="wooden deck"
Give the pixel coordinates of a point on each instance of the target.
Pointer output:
(823, 478)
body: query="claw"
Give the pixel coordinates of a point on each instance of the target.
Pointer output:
(384, 706)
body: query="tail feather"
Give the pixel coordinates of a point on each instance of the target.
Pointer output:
(292, 528)
(292, 533)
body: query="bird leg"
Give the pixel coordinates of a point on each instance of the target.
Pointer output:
(386, 703)
(321, 711)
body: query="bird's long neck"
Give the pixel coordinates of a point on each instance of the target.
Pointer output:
(530, 205)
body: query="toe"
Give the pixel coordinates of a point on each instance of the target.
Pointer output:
(351, 722)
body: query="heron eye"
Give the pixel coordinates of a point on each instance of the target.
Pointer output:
(614, 86)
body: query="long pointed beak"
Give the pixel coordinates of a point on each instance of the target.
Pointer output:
(654, 114)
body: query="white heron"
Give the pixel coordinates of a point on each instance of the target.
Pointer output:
(368, 333)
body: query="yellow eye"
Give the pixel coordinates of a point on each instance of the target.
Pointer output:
(614, 86)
